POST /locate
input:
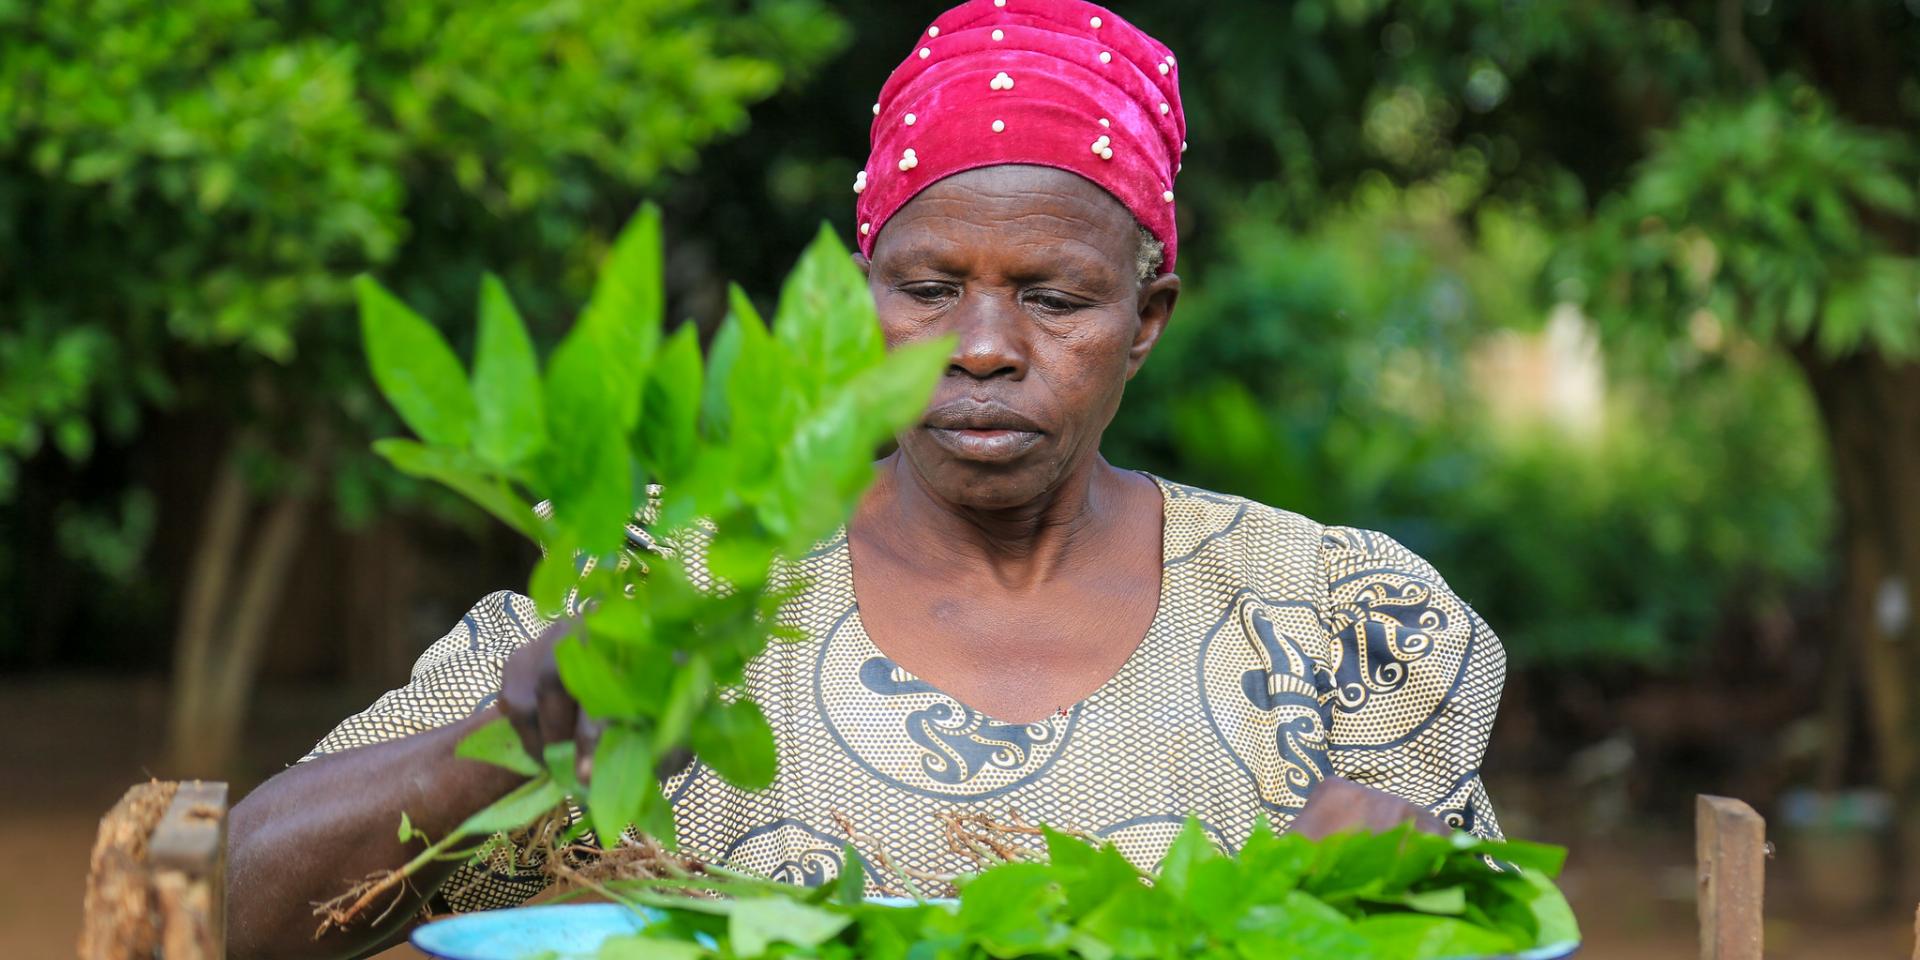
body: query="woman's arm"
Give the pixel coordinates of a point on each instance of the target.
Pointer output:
(1419, 676)
(309, 833)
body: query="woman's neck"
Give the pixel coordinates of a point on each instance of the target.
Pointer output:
(1025, 545)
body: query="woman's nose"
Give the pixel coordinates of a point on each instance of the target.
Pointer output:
(990, 340)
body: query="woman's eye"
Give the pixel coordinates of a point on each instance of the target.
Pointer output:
(926, 292)
(1052, 302)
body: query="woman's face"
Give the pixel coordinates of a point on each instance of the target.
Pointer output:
(1032, 270)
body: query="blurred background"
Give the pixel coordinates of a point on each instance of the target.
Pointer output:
(1609, 308)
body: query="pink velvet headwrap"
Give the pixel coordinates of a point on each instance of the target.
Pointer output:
(1057, 83)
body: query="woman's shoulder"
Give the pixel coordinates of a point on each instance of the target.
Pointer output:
(1269, 536)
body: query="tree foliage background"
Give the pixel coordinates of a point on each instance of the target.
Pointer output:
(1611, 309)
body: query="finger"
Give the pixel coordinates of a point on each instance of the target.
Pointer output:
(519, 693)
(586, 739)
(1308, 824)
(558, 714)
(674, 761)
(1426, 822)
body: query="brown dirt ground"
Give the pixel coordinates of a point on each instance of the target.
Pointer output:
(70, 746)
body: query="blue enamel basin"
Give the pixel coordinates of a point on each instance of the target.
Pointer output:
(573, 931)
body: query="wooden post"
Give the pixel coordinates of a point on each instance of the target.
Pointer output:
(1730, 848)
(188, 857)
(158, 883)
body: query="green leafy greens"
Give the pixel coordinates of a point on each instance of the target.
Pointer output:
(767, 446)
(1397, 895)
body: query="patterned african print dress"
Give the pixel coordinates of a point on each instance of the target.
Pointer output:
(1282, 652)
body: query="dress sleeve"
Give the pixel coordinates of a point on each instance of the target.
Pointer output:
(1415, 679)
(459, 674)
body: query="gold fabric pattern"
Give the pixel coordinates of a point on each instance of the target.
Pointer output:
(1282, 652)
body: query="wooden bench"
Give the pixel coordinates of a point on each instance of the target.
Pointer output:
(157, 884)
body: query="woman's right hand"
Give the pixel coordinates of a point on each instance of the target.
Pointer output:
(538, 705)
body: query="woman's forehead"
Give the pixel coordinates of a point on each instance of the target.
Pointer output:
(1018, 210)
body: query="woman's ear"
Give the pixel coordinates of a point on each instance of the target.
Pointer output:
(866, 266)
(1155, 304)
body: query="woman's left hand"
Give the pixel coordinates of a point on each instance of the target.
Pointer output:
(1339, 805)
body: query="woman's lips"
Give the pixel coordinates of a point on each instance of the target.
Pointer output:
(984, 444)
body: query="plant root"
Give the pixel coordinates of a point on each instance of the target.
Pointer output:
(636, 858)
(346, 909)
(553, 849)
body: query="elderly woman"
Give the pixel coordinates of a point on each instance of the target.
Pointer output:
(1009, 623)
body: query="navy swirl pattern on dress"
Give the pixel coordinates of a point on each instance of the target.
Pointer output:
(1383, 629)
(808, 868)
(1266, 699)
(959, 741)
(1301, 737)
(913, 736)
(789, 851)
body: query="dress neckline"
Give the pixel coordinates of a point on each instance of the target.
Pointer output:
(857, 626)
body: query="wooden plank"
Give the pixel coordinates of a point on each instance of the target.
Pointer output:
(191, 837)
(188, 859)
(1730, 849)
(118, 920)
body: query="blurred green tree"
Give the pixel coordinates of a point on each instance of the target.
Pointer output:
(1376, 189)
(186, 190)
(1727, 188)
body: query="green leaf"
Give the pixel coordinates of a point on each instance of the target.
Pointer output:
(553, 576)
(670, 417)
(1189, 849)
(594, 379)
(466, 476)
(511, 423)
(1012, 910)
(593, 492)
(735, 740)
(643, 947)
(721, 354)
(826, 316)
(1355, 863)
(595, 680)
(755, 924)
(559, 758)
(656, 820)
(1215, 894)
(1553, 917)
(623, 317)
(594, 388)
(1414, 936)
(894, 393)
(1090, 876)
(692, 687)
(852, 882)
(827, 462)
(622, 780)
(496, 742)
(1299, 926)
(1275, 863)
(1543, 857)
(415, 369)
(1445, 901)
(760, 404)
(406, 827)
(516, 809)
(1136, 922)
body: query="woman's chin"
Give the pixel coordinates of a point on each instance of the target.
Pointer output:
(982, 483)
